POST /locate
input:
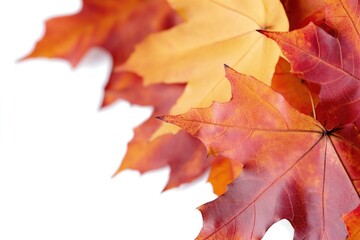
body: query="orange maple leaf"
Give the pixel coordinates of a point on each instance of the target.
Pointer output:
(214, 32)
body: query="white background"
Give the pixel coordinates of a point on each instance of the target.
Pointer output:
(58, 150)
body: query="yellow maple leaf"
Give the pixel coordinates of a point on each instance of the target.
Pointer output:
(214, 32)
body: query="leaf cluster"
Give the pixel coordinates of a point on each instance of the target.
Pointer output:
(278, 131)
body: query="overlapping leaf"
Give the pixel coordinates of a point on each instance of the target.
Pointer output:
(214, 32)
(331, 62)
(293, 167)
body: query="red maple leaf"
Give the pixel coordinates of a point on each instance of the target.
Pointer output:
(293, 167)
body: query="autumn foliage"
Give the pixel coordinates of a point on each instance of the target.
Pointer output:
(277, 128)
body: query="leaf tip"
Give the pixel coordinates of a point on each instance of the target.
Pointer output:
(162, 118)
(229, 72)
(166, 118)
(26, 57)
(264, 32)
(120, 168)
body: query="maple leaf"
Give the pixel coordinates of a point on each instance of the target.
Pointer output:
(214, 32)
(115, 25)
(352, 221)
(293, 167)
(329, 61)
